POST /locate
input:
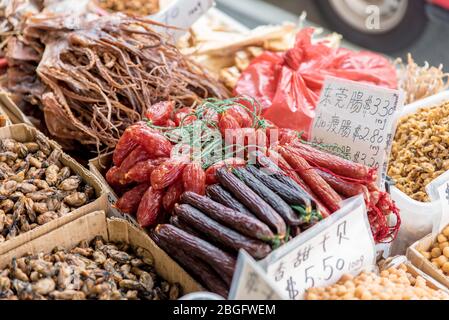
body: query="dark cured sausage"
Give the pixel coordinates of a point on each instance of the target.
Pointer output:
(248, 226)
(252, 201)
(222, 262)
(227, 237)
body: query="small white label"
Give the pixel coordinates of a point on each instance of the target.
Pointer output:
(438, 190)
(250, 281)
(360, 119)
(341, 244)
(181, 14)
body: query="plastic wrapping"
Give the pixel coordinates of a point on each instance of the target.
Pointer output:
(288, 85)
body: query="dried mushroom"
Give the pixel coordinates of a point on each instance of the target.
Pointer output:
(420, 151)
(35, 188)
(95, 271)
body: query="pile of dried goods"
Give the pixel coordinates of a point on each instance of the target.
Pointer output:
(391, 284)
(228, 52)
(149, 174)
(12, 14)
(96, 271)
(255, 208)
(420, 82)
(35, 187)
(438, 253)
(98, 76)
(420, 151)
(131, 7)
(155, 162)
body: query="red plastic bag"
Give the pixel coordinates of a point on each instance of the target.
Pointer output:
(287, 85)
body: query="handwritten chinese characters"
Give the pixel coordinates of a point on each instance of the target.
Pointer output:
(322, 255)
(360, 119)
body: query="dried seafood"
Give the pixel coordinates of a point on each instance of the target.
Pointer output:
(131, 7)
(99, 75)
(12, 13)
(35, 187)
(99, 271)
(420, 82)
(226, 51)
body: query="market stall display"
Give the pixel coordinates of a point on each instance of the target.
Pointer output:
(391, 284)
(53, 276)
(89, 90)
(241, 212)
(42, 188)
(150, 180)
(206, 144)
(419, 153)
(103, 259)
(134, 7)
(36, 187)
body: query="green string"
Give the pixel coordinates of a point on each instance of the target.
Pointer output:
(207, 141)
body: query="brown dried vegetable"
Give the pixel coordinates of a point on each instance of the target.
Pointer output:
(35, 187)
(420, 151)
(95, 271)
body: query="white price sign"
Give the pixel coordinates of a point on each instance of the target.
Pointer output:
(251, 283)
(339, 245)
(181, 14)
(361, 117)
(438, 190)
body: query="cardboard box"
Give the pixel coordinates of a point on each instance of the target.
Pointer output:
(98, 167)
(414, 271)
(416, 258)
(95, 224)
(8, 106)
(23, 133)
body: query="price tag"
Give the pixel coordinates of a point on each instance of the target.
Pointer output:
(361, 118)
(341, 244)
(250, 281)
(181, 14)
(438, 190)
